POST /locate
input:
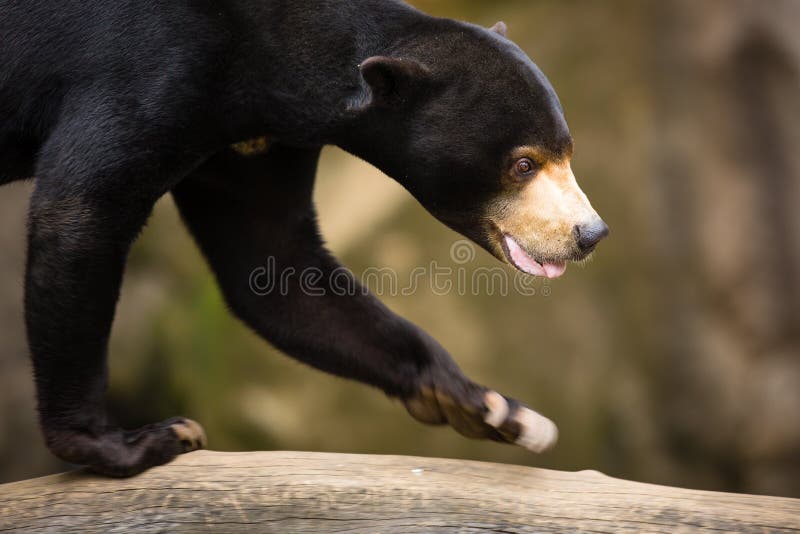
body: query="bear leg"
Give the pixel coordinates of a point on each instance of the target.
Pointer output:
(92, 198)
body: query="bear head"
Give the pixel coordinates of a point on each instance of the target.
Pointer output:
(462, 118)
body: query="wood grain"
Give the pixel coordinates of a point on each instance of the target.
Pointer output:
(289, 492)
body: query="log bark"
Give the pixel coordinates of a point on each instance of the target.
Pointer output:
(313, 492)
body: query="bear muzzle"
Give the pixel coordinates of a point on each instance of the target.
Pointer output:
(546, 223)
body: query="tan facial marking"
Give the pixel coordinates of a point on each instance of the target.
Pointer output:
(542, 214)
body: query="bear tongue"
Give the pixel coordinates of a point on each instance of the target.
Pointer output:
(524, 262)
(554, 270)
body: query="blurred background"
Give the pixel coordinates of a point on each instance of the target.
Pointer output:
(673, 357)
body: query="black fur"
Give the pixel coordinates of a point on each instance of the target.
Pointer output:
(112, 104)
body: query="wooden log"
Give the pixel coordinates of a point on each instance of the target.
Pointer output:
(312, 492)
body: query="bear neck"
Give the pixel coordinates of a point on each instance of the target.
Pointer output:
(300, 62)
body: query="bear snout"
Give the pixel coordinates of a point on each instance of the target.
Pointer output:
(590, 234)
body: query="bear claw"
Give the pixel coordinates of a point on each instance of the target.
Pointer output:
(537, 433)
(190, 433)
(525, 427)
(497, 408)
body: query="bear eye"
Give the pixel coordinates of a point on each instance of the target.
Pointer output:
(524, 167)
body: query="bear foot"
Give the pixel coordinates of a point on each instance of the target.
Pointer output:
(123, 453)
(477, 412)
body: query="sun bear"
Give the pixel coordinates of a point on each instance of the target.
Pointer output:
(225, 105)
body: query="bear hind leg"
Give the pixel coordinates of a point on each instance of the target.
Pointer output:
(84, 215)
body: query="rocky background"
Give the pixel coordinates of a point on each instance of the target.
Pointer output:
(673, 357)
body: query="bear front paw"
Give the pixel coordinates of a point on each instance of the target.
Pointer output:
(484, 414)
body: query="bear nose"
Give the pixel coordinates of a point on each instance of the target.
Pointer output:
(589, 235)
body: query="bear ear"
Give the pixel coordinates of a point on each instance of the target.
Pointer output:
(392, 80)
(500, 28)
